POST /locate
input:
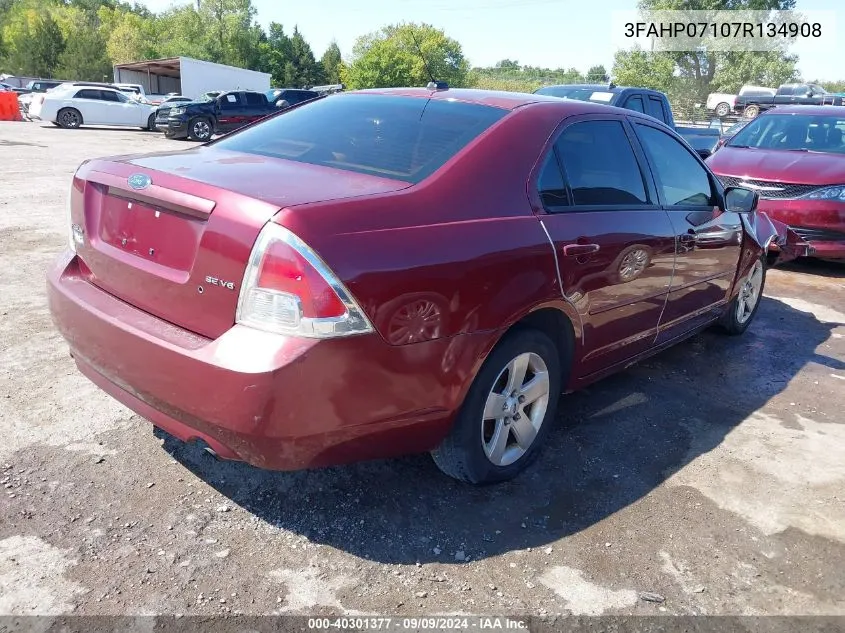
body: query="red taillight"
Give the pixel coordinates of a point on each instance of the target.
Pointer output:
(288, 289)
(284, 270)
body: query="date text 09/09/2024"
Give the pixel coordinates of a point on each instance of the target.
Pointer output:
(693, 30)
(416, 623)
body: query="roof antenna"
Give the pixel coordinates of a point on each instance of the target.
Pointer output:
(433, 84)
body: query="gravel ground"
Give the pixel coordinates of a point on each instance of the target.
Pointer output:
(708, 480)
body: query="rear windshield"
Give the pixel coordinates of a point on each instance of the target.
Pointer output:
(793, 132)
(405, 138)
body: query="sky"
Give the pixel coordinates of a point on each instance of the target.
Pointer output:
(547, 33)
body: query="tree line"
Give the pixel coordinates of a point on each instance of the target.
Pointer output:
(82, 39)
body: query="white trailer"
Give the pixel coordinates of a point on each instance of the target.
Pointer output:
(188, 77)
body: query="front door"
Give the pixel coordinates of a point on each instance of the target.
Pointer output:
(708, 241)
(614, 244)
(232, 112)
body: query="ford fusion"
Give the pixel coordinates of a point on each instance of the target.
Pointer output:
(379, 273)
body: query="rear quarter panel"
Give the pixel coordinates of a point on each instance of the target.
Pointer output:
(465, 241)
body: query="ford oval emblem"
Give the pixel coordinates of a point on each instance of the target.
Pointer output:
(139, 181)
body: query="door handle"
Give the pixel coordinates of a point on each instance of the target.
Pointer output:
(579, 250)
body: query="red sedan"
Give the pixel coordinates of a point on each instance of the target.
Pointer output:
(794, 157)
(387, 272)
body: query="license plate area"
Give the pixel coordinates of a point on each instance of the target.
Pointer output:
(149, 232)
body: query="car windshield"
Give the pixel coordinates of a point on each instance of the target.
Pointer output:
(736, 127)
(793, 132)
(578, 93)
(405, 138)
(208, 96)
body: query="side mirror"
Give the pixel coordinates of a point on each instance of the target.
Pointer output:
(741, 200)
(703, 153)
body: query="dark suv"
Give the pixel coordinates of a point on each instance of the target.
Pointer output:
(200, 120)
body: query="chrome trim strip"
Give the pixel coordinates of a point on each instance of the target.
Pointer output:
(557, 263)
(560, 280)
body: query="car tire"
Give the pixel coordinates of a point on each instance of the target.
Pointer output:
(200, 129)
(151, 123)
(471, 452)
(742, 310)
(723, 109)
(69, 118)
(751, 111)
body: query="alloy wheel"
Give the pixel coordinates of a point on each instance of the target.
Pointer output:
(515, 409)
(202, 130)
(749, 293)
(70, 119)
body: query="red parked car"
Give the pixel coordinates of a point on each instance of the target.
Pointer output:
(794, 157)
(387, 272)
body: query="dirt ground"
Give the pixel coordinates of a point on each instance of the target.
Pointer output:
(712, 476)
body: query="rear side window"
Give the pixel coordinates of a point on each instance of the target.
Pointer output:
(655, 107)
(681, 178)
(88, 94)
(600, 164)
(406, 138)
(255, 99)
(551, 187)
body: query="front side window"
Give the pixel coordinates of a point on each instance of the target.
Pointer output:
(682, 180)
(635, 104)
(229, 101)
(406, 138)
(600, 164)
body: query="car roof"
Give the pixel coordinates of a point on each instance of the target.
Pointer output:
(602, 88)
(495, 98)
(806, 109)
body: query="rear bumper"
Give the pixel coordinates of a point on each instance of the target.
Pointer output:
(275, 402)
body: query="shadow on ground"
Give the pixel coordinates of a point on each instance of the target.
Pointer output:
(817, 267)
(617, 441)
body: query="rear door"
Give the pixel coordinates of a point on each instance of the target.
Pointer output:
(708, 241)
(90, 103)
(256, 106)
(614, 244)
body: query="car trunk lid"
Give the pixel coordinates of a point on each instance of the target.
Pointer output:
(171, 234)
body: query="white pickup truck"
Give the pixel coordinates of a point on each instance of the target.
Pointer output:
(722, 104)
